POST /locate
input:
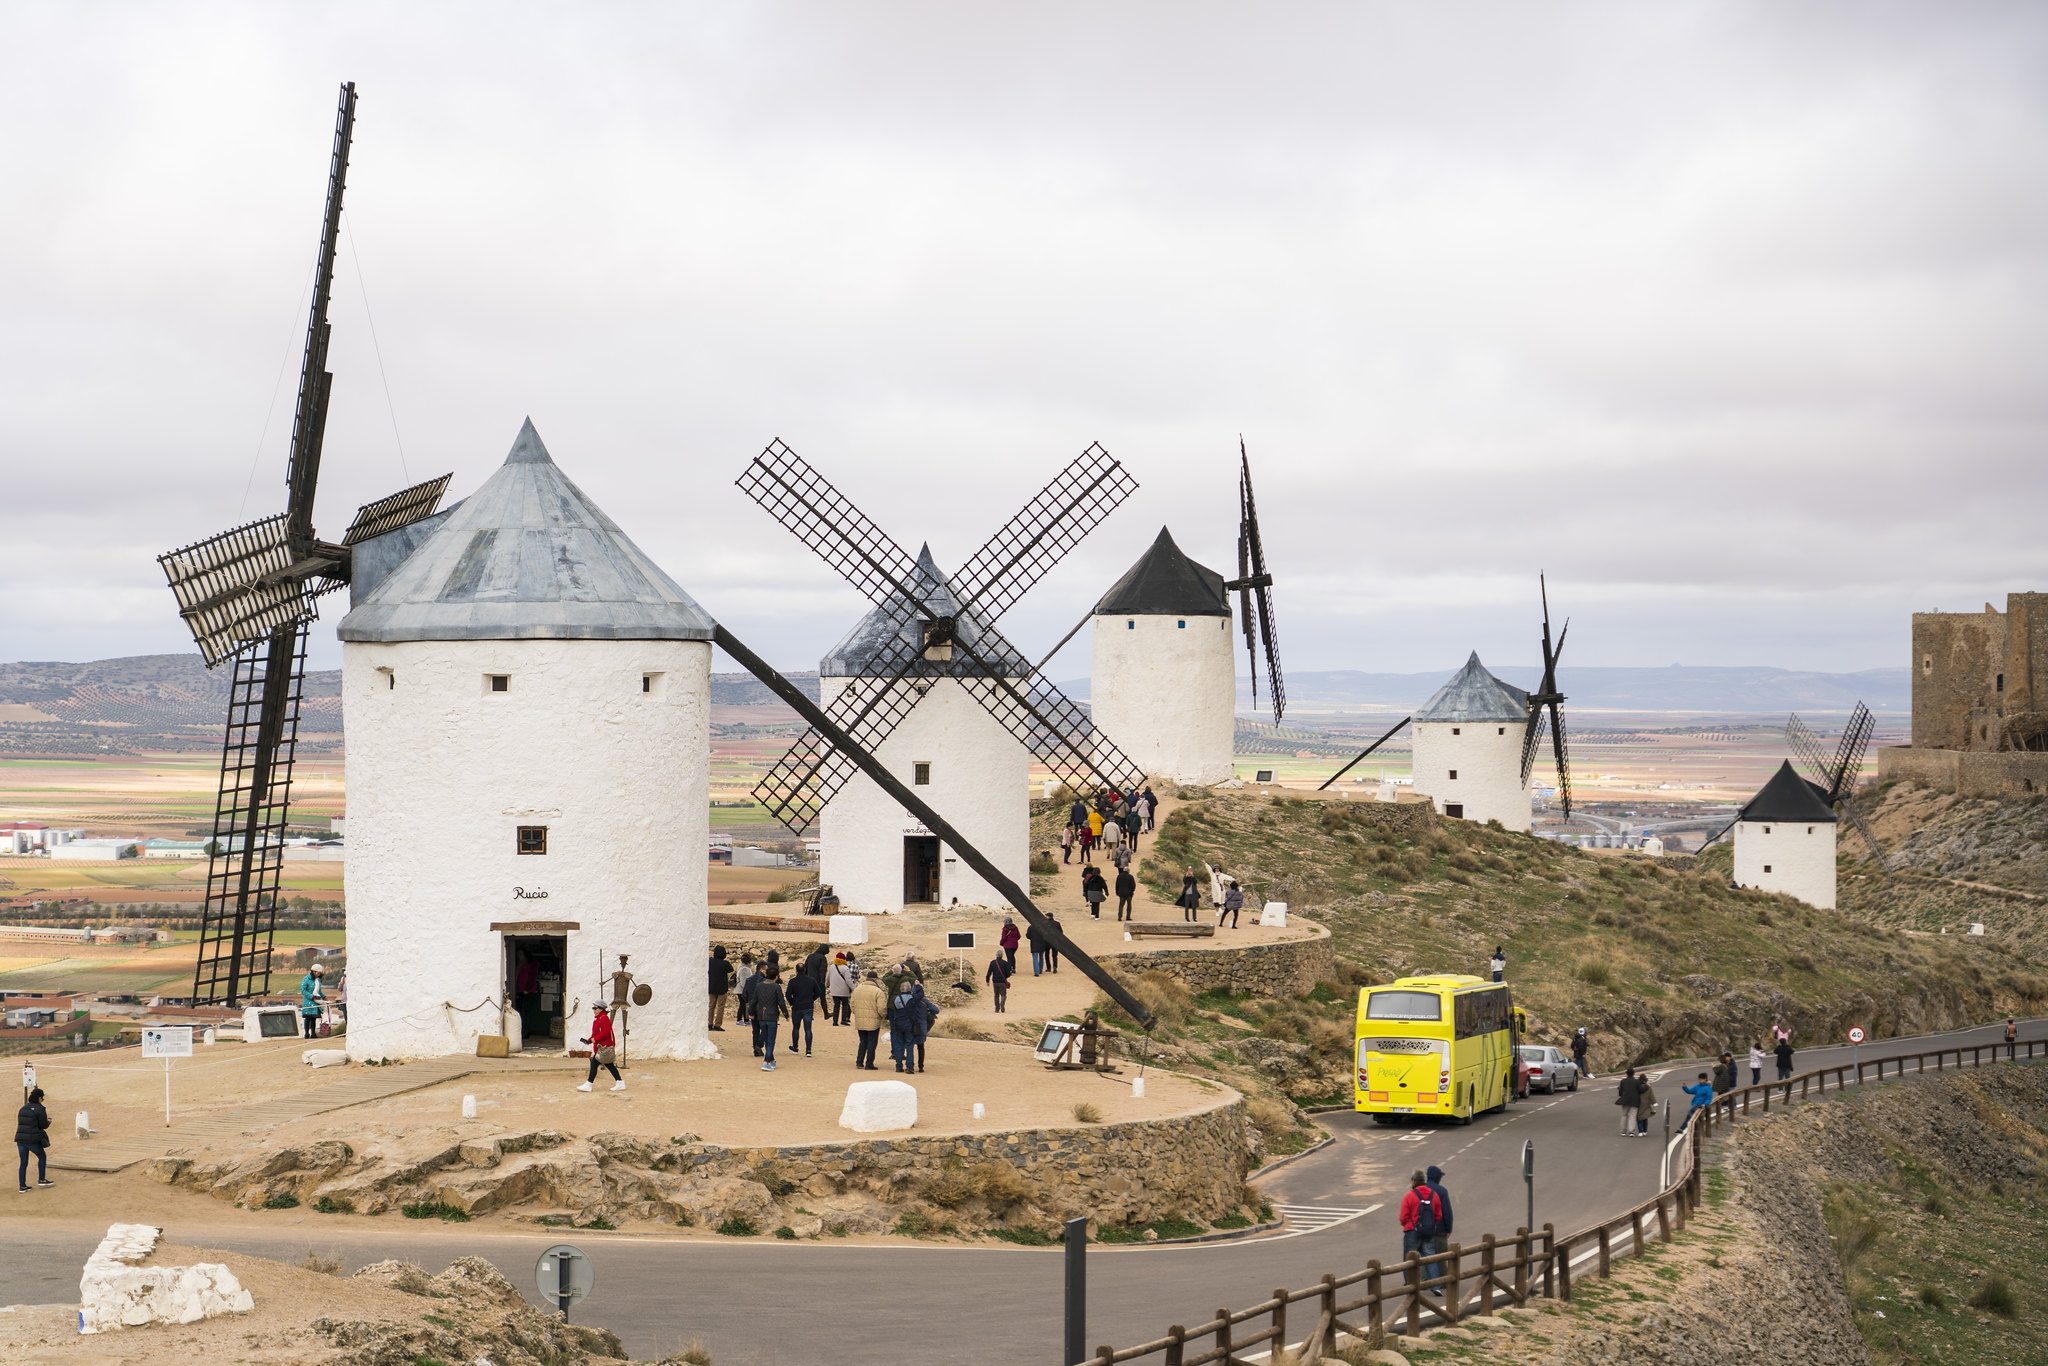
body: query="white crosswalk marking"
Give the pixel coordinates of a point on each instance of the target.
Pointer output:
(1316, 1218)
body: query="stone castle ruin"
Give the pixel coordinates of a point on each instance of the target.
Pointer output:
(1980, 701)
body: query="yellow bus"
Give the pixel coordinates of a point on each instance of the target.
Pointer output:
(1440, 1045)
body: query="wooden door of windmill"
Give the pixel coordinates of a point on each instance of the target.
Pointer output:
(920, 868)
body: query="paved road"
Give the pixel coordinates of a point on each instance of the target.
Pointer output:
(755, 1302)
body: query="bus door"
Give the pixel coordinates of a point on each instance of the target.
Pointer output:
(1403, 1073)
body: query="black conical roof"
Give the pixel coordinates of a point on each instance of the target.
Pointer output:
(1789, 798)
(1165, 583)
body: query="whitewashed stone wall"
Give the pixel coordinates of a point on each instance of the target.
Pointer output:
(1800, 859)
(980, 781)
(114, 1293)
(1486, 756)
(442, 771)
(1166, 694)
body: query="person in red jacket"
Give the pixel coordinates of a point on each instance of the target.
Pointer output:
(1008, 941)
(603, 1051)
(1420, 1216)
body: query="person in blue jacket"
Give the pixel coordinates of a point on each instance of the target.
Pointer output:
(906, 1024)
(1702, 1093)
(310, 998)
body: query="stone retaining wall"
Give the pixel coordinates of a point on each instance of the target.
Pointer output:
(1287, 968)
(1969, 773)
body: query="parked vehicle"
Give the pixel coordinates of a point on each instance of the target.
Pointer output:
(1548, 1066)
(1440, 1045)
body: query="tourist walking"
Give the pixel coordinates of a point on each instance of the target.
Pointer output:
(1646, 1106)
(767, 1007)
(1122, 857)
(1112, 835)
(1066, 843)
(1781, 1032)
(1094, 828)
(1008, 942)
(741, 977)
(1215, 872)
(1724, 1079)
(906, 1025)
(1190, 898)
(1233, 902)
(1086, 839)
(1077, 814)
(603, 1050)
(1434, 1178)
(720, 984)
(1126, 888)
(1036, 938)
(1094, 891)
(1579, 1052)
(1702, 1093)
(310, 997)
(2012, 1039)
(32, 1135)
(1052, 943)
(839, 984)
(1784, 1052)
(1756, 1064)
(1148, 804)
(998, 979)
(1133, 824)
(870, 1012)
(1419, 1215)
(804, 994)
(1626, 1095)
(1499, 964)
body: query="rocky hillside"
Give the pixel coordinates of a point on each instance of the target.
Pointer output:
(1657, 961)
(1954, 860)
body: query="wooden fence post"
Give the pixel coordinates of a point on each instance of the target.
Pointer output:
(1486, 1274)
(1223, 1333)
(1176, 1345)
(1328, 1346)
(1564, 1270)
(1604, 1246)
(1549, 1262)
(1451, 1291)
(1411, 1275)
(1635, 1231)
(1525, 1247)
(1375, 1318)
(1663, 1221)
(1279, 1322)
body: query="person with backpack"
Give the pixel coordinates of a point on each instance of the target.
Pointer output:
(1126, 888)
(803, 996)
(1626, 1095)
(1756, 1063)
(1579, 1053)
(1646, 1106)
(998, 979)
(1784, 1052)
(1702, 1093)
(906, 1024)
(721, 985)
(1419, 1215)
(765, 1008)
(32, 1135)
(1232, 903)
(1094, 891)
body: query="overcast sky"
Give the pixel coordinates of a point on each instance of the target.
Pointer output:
(1729, 318)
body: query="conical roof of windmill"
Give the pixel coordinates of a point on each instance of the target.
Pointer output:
(1789, 798)
(1473, 694)
(527, 556)
(875, 644)
(1165, 583)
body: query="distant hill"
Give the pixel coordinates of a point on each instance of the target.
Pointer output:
(1678, 688)
(153, 702)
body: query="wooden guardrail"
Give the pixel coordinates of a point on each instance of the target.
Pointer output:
(1465, 1280)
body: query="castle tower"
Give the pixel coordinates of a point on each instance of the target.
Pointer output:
(1468, 748)
(1785, 840)
(876, 855)
(528, 737)
(1163, 683)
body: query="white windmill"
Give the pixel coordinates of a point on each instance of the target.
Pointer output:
(927, 683)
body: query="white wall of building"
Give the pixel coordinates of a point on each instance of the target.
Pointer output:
(980, 782)
(1486, 756)
(442, 771)
(1166, 694)
(1797, 859)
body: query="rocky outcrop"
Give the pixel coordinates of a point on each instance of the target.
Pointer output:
(480, 1316)
(1190, 1166)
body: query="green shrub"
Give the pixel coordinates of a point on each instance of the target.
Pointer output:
(685, 1220)
(1994, 1295)
(1596, 974)
(333, 1204)
(786, 1232)
(1933, 1296)
(597, 1221)
(1087, 1113)
(1044, 864)
(914, 1223)
(1026, 1237)
(282, 1200)
(738, 1226)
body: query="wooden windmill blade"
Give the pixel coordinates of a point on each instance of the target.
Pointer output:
(1849, 754)
(1547, 699)
(1056, 519)
(796, 789)
(826, 520)
(1048, 723)
(1254, 588)
(1812, 754)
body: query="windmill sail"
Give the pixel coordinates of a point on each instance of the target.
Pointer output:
(1546, 710)
(1254, 588)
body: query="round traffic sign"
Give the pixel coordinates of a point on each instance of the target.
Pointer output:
(1855, 1033)
(564, 1273)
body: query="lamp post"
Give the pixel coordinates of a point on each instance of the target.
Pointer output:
(1077, 1293)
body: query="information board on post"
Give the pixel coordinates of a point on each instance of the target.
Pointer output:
(167, 1042)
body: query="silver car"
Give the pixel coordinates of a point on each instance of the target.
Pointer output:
(1548, 1066)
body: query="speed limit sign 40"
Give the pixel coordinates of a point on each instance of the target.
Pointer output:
(1856, 1034)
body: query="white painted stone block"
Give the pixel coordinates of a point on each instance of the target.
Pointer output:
(469, 1107)
(1275, 914)
(874, 1107)
(848, 929)
(1137, 1088)
(84, 1125)
(324, 1057)
(980, 1110)
(115, 1294)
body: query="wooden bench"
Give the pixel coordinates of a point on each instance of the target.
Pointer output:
(778, 924)
(1168, 929)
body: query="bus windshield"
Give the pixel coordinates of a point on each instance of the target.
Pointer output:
(1404, 1005)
